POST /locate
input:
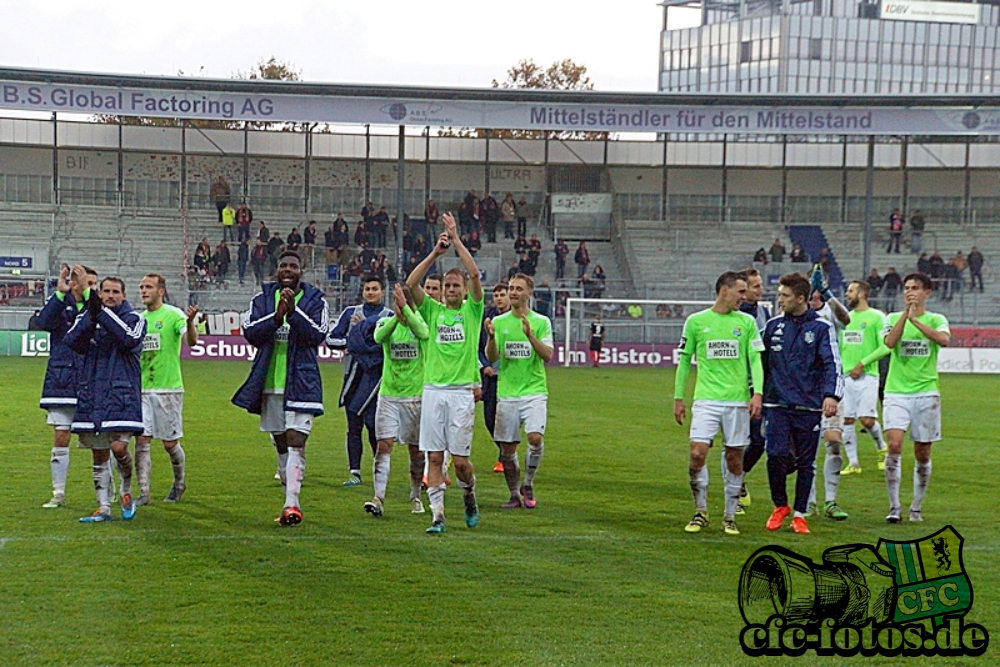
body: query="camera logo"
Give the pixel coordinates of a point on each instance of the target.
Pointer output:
(898, 598)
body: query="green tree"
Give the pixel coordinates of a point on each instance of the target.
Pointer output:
(527, 74)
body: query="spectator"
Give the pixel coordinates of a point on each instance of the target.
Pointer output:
(520, 245)
(244, 217)
(464, 218)
(521, 209)
(474, 245)
(263, 233)
(525, 265)
(975, 269)
(330, 245)
(420, 249)
(489, 213)
(534, 248)
(508, 212)
(777, 251)
(381, 224)
(875, 282)
(916, 232)
(562, 251)
(582, 259)
(431, 216)
(924, 264)
(200, 259)
(961, 264)
(222, 260)
(949, 280)
(760, 257)
(294, 240)
(599, 278)
(342, 238)
(896, 223)
(258, 261)
(274, 248)
(798, 255)
(228, 222)
(936, 269)
(354, 271)
(361, 238)
(891, 284)
(219, 192)
(242, 258)
(368, 213)
(309, 244)
(514, 269)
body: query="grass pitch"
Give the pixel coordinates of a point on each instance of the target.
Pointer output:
(601, 573)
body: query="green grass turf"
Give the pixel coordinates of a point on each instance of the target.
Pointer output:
(600, 574)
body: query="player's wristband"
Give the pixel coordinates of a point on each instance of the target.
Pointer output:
(826, 294)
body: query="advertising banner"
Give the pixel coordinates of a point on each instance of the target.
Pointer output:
(596, 116)
(936, 12)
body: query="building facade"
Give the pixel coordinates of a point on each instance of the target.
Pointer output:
(832, 46)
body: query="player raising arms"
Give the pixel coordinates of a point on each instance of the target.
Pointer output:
(287, 320)
(451, 372)
(912, 395)
(726, 343)
(522, 341)
(397, 416)
(62, 371)
(162, 384)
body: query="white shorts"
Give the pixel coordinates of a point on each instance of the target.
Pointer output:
(860, 396)
(512, 413)
(60, 418)
(398, 419)
(274, 418)
(102, 440)
(921, 414)
(708, 418)
(836, 422)
(446, 420)
(162, 416)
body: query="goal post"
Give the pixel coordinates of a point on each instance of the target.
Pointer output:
(642, 321)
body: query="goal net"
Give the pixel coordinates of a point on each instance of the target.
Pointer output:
(637, 332)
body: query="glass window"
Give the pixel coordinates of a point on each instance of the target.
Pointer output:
(745, 51)
(815, 48)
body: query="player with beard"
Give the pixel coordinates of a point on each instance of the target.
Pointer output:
(109, 335)
(287, 320)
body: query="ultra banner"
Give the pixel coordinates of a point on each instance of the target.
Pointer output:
(179, 103)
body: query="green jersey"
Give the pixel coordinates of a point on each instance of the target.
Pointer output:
(522, 371)
(725, 347)
(402, 356)
(453, 346)
(861, 338)
(161, 350)
(277, 370)
(913, 364)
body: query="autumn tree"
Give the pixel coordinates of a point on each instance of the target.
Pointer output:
(271, 69)
(527, 74)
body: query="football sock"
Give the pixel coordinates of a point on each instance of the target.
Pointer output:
(143, 467)
(851, 445)
(921, 478)
(511, 474)
(699, 487)
(733, 484)
(444, 464)
(831, 469)
(532, 461)
(295, 470)
(59, 463)
(282, 464)
(125, 469)
(799, 515)
(177, 459)
(876, 433)
(416, 475)
(380, 474)
(892, 473)
(436, 495)
(102, 485)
